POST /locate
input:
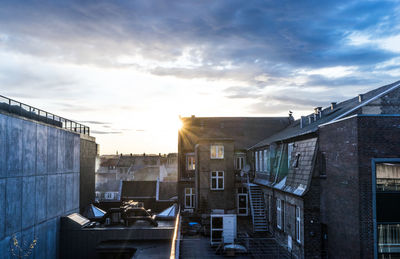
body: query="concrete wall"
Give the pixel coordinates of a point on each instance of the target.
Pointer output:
(39, 182)
(88, 148)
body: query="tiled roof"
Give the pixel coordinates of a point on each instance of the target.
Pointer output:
(344, 108)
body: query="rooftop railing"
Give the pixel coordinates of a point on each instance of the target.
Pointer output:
(27, 111)
(176, 239)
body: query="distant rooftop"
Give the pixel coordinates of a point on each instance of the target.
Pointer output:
(14, 107)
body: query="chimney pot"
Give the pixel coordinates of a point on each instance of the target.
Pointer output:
(333, 105)
(360, 98)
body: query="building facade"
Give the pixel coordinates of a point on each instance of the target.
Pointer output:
(211, 154)
(42, 168)
(330, 179)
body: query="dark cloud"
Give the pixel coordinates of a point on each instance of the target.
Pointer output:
(231, 39)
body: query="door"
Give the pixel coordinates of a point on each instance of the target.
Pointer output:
(242, 208)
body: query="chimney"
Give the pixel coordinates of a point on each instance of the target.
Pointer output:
(310, 119)
(303, 122)
(193, 116)
(317, 113)
(291, 119)
(333, 105)
(360, 98)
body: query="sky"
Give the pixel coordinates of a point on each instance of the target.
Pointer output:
(128, 69)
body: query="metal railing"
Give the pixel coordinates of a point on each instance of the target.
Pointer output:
(389, 238)
(27, 111)
(177, 237)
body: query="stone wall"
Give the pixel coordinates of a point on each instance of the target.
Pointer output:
(39, 182)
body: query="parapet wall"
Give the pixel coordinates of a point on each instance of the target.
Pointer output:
(39, 182)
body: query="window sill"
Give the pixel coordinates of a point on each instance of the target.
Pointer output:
(216, 158)
(217, 189)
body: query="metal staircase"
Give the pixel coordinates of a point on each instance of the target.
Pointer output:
(257, 206)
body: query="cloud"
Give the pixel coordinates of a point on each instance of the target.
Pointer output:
(104, 124)
(100, 132)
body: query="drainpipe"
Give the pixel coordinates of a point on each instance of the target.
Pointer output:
(158, 189)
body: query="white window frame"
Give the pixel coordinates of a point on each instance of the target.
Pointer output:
(219, 176)
(279, 214)
(218, 147)
(190, 162)
(191, 196)
(109, 195)
(239, 162)
(298, 224)
(256, 160)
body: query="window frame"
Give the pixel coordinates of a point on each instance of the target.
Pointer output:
(241, 158)
(217, 151)
(279, 214)
(217, 178)
(191, 196)
(193, 164)
(256, 160)
(298, 224)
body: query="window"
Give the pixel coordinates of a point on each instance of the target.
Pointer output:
(217, 180)
(217, 151)
(256, 160)
(189, 198)
(290, 150)
(190, 162)
(109, 195)
(261, 161)
(279, 213)
(239, 162)
(296, 161)
(298, 229)
(265, 161)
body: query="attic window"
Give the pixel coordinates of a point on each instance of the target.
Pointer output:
(296, 161)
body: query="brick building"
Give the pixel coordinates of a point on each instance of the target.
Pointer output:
(211, 154)
(330, 180)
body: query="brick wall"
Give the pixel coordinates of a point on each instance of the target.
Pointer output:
(340, 194)
(378, 137)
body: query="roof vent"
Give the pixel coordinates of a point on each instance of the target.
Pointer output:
(360, 98)
(333, 105)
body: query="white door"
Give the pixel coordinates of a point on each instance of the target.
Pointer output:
(242, 208)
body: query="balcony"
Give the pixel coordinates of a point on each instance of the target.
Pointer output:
(389, 238)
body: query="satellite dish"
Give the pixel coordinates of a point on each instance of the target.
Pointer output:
(245, 170)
